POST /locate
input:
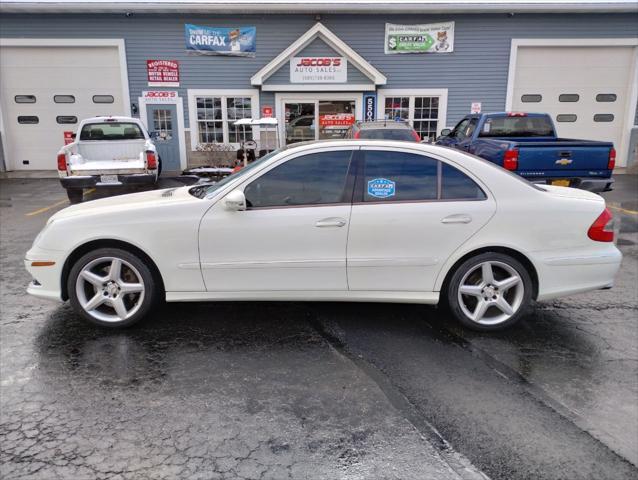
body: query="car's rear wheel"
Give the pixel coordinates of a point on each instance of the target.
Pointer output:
(75, 195)
(489, 292)
(111, 287)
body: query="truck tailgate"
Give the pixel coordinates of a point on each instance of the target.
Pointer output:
(564, 158)
(108, 167)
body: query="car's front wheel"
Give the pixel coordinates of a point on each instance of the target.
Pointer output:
(112, 287)
(489, 292)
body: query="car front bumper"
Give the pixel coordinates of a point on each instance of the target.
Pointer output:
(46, 281)
(91, 181)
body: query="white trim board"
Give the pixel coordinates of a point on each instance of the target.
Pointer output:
(179, 103)
(630, 114)
(193, 93)
(318, 30)
(442, 93)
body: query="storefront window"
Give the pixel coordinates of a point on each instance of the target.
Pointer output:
(300, 122)
(397, 108)
(335, 117)
(216, 116)
(426, 113)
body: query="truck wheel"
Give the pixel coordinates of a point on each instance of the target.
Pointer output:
(75, 195)
(489, 292)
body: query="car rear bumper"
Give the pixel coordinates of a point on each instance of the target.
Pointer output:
(595, 185)
(91, 181)
(568, 273)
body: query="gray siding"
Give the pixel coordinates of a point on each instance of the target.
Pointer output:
(317, 48)
(475, 71)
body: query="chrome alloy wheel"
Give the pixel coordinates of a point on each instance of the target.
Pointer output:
(491, 293)
(110, 289)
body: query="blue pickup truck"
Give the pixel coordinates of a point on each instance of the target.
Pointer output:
(527, 144)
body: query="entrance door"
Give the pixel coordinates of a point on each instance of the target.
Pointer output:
(300, 122)
(162, 123)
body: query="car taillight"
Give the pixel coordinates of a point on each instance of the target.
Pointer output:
(151, 161)
(510, 159)
(611, 163)
(516, 114)
(602, 230)
(357, 134)
(416, 136)
(62, 162)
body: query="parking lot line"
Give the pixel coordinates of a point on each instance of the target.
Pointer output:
(624, 210)
(56, 204)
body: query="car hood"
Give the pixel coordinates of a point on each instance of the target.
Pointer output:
(127, 202)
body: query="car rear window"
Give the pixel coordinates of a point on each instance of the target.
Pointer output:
(517, 127)
(387, 134)
(111, 131)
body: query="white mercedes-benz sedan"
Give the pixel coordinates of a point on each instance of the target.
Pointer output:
(367, 221)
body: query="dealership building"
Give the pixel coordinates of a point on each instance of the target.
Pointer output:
(189, 70)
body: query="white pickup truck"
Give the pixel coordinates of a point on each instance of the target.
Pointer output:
(108, 151)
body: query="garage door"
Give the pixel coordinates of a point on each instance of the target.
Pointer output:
(586, 90)
(46, 91)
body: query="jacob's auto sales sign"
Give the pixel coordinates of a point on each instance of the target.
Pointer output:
(318, 70)
(162, 73)
(336, 121)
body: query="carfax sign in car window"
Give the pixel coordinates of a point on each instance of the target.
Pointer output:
(381, 188)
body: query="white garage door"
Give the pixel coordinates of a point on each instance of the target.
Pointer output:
(587, 90)
(46, 91)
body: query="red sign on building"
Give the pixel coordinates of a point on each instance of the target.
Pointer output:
(337, 120)
(163, 73)
(266, 111)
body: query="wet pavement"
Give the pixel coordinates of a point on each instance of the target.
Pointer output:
(298, 390)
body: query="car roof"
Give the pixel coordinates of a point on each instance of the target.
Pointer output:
(381, 124)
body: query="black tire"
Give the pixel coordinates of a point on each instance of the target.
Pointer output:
(499, 263)
(151, 293)
(75, 195)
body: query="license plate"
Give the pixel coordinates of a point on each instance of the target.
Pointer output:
(561, 183)
(109, 179)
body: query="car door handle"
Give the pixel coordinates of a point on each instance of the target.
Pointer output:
(330, 222)
(458, 218)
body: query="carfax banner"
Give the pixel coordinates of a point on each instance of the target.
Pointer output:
(428, 38)
(240, 41)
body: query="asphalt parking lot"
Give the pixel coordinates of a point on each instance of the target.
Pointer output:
(297, 390)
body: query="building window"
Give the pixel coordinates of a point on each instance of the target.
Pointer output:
(397, 108)
(606, 97)
(64, 99)
(531, 98)
(603, 117)
(566, 117)
(215, 115)
(426, 114)
(64, 119)
(28, 119)
(568, 97)
(424, 109)
(103, 99)
(24, 98)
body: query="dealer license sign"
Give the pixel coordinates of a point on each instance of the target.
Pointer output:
(318, 70)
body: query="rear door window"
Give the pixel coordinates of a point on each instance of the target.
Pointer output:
(455, 185)
(111, 131)
(390, 176)
(313, 179)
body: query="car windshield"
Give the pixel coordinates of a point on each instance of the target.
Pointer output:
(387, 134)
(111, 131)
(201, 191)
(517, 127)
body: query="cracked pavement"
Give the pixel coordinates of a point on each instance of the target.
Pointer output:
(304, 391)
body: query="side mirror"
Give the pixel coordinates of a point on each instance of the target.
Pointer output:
(235, 201)
(445, 132)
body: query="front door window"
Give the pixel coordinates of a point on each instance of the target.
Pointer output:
(300, 122)
(163, 124)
